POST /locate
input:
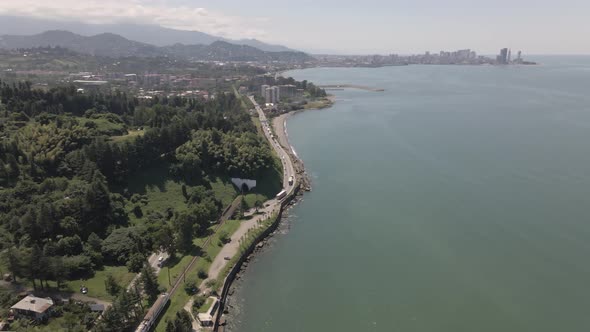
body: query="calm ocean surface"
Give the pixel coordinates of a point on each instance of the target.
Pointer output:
(456, 200)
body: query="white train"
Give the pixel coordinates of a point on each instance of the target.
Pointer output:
(282, 194)
(151, 317)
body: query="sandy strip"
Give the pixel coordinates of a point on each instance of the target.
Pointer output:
(280, 126)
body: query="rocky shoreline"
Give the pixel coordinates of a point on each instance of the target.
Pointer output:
(304, 182)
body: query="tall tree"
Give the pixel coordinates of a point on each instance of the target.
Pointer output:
(149, 282)
(13, 261)
(111, 285)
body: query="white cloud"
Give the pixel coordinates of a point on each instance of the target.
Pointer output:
(138, 11)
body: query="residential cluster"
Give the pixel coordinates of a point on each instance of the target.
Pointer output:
(149, 84)
(273, 94)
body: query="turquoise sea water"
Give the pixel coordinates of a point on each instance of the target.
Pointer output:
(456, 200)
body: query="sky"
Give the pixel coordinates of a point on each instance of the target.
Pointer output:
(359, 27)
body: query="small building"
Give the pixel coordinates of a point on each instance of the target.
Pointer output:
(208, 318)
(96, 307)
(35, 307)
(205, 319)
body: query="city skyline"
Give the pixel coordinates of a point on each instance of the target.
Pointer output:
(330, 26)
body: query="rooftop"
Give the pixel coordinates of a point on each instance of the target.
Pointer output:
(204, 317)
(34, 304)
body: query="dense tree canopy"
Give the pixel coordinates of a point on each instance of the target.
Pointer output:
(65, 157)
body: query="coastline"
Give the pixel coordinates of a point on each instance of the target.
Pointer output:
(303, 184)
(279, 125)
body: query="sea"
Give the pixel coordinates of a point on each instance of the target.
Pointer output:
(458, 199)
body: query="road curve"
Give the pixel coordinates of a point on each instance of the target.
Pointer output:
(288, 168)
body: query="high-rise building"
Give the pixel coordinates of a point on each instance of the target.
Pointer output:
(263, 89)
(509, 56)
(272, 95)
(287, 91)
(276, 94)
(503, 57)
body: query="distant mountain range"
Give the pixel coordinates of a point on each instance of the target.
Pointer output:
(148, 34)
(106, 44)
(113, 45)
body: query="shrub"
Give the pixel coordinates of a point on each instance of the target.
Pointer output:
(224, 237)
(202, 274)
(199, 301)
(191, 287)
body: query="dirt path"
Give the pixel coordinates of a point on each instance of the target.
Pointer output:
(231, 248)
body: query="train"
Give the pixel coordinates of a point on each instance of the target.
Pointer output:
(282, 194)
(151, 317)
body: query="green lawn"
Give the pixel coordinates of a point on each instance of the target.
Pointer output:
(205, 307)
(223, 189)
(177, 266)
(164, 192)
(180, 298)
(161, 191)
(95, 284)
(106, 127)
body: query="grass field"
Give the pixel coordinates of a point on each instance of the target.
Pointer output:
(106, 127)
(163, 192)
(180, 298)
(96, 287)
(205, 307)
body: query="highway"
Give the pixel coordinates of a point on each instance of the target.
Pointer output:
(288, 169)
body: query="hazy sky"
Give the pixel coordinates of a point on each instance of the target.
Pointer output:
(367, 26)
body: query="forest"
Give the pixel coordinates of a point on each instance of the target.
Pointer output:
(66, 158)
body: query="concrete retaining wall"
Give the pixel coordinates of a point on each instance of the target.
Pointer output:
(237, 267)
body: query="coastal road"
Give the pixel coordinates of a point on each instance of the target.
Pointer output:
(271, 206)
(288, 168)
